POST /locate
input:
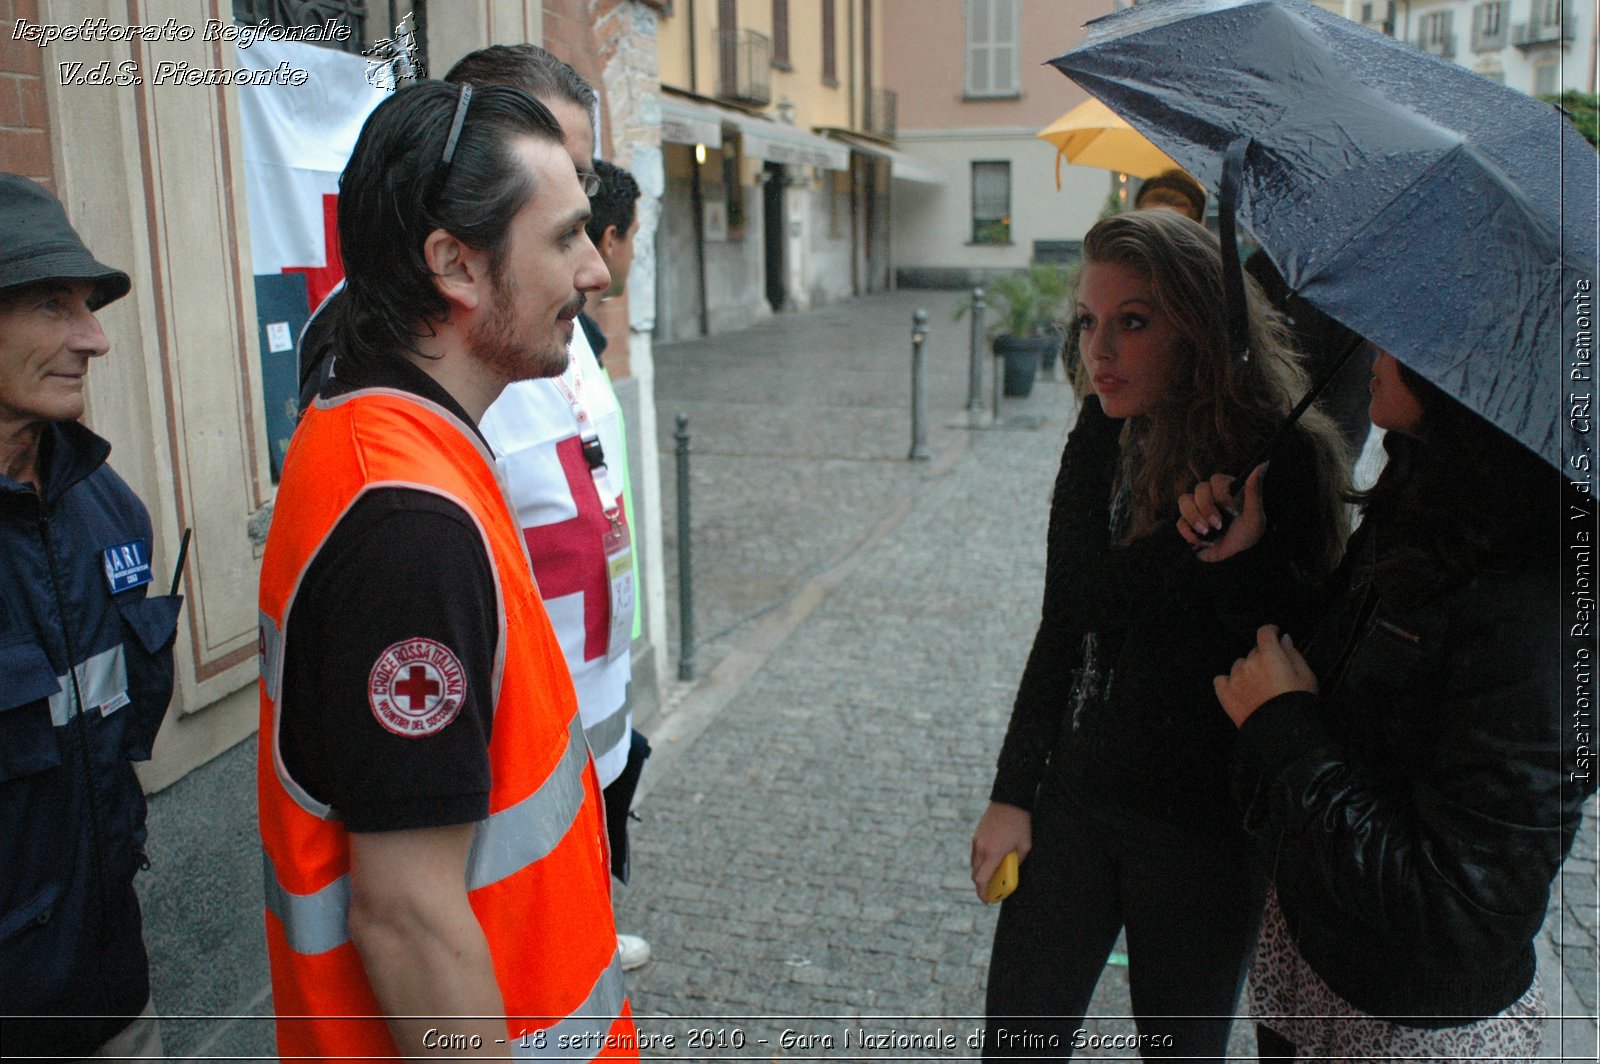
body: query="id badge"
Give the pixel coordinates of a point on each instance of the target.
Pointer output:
(619, 567)
(127, 565)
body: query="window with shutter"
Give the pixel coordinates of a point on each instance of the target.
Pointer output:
(991, 203)
(780, 33)
(992, 47)
(830, 51)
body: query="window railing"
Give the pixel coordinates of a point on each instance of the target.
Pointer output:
(746, 66)
(1380, 18)
(1535, 33)
(1486, 41)
(1442, 45)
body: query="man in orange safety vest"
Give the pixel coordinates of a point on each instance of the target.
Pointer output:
(430, 817)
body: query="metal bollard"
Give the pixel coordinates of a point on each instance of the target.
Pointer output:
(975, 376)
(919, 388)
(685, 569)
(999, 385)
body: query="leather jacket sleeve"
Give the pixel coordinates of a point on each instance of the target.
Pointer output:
(1428, 796)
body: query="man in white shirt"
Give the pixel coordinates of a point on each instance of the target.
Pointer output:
(560, 444)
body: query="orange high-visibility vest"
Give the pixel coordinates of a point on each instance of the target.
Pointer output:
(537, 874)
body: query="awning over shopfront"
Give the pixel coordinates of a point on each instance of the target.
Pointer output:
(902, 167)
(685, 122)
(692, 122)
(779, 143)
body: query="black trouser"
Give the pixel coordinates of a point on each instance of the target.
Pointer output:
(1191, 908)
(618, 800)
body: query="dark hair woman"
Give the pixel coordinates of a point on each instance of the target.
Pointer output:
(1112, 780)
(1411, 778)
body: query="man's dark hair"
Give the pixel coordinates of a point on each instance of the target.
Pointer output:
(1175, 181)
(397, 189)
(613, 205)
(527, 67)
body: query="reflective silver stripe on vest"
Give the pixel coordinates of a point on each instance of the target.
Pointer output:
(102, 681)
(313, 923)
(502, 845)
(269, 649)
(606, 735)
(514, 838)
(582, 1034)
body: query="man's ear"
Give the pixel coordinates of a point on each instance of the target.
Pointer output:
(460, 273)
(609, 241)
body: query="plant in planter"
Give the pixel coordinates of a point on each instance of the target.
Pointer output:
(1027, 307)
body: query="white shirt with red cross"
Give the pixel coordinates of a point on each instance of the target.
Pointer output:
(535, 430)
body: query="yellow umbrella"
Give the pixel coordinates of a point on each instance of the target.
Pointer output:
(1091, 134)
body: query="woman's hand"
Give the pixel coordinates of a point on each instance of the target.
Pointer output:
(1273, 668)
(1001, 829)
(1203, 513)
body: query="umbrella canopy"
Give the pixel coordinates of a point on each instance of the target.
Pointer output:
(1446, 218)
(1091, 134)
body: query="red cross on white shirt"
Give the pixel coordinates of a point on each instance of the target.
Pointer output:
(569, 556)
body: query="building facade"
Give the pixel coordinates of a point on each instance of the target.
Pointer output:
(1540, 47)
(151, 171)
(780, 167)
(973, 92)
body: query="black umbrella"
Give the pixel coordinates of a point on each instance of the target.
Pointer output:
(1447, 218)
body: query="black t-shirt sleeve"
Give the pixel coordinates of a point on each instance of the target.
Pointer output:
(389, 667)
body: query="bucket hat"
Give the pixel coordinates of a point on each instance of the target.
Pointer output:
(37, 243)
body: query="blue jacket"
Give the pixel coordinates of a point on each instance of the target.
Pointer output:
(74, 570)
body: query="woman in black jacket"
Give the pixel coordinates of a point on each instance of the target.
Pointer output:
(1413, 779)
(1112, 780)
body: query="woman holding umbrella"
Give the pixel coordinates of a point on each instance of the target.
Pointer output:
(1112, 780)
(1410, 778)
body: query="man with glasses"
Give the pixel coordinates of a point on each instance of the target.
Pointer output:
(562, 444)
(431, 821)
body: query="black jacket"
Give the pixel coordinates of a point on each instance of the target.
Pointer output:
(1415, 812)
(1158, 744)
(71, 810)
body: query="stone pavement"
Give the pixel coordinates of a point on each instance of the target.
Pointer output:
(801, 860)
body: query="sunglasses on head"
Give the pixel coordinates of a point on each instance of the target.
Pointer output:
(590, 179)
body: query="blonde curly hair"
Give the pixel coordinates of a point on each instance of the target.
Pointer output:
(1218, 411)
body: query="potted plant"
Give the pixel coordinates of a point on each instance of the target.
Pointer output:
(1027, 307)
(1054, 284)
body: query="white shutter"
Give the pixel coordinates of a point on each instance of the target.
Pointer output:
(977, 47)
(992, 27)
(1003, 47)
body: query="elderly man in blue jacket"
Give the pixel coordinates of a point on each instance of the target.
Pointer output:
(85, 662)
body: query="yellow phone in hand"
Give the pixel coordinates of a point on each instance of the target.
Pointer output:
(1004, 880)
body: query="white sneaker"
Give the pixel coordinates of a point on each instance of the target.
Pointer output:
(634, 951)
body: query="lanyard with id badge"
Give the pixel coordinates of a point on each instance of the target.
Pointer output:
(617, 540)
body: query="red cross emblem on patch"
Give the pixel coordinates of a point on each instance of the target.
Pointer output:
(416, 688)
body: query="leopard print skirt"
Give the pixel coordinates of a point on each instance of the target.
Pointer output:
(1291, 999)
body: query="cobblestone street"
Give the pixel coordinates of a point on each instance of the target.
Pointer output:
(801, 860)
(806, 856)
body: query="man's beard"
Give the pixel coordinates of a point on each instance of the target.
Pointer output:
(495, 342)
